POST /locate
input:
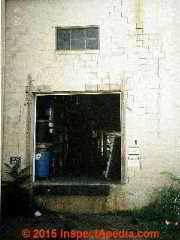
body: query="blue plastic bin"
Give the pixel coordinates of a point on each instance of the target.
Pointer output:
(43, 164)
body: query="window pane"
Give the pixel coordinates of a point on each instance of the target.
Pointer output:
(63, 39)
(77, 38)
(64, 45)
(91, 44)
(78, 44)
(92, 32)
(77, 34)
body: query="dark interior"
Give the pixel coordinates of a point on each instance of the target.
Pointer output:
(78, 136)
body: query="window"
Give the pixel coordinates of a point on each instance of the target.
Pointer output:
(77, 38)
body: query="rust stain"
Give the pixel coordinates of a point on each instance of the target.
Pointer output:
(139, 13)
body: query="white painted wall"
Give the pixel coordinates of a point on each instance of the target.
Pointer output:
(2, 62)
(146, 61)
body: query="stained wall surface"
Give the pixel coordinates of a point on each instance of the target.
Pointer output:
(139, 49)
(2, 63)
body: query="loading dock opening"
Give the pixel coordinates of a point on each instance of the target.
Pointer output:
(78, 137)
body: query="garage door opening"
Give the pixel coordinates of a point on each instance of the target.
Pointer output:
(78, 137)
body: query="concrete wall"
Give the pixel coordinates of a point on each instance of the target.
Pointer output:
(2, 63)
(139, 48)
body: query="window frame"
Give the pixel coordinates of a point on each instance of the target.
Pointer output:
(74, 28)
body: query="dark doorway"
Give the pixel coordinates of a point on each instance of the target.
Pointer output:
(78, 137)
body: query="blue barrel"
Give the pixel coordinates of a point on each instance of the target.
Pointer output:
(43, 164)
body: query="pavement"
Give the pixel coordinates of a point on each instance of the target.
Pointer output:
(52, 226)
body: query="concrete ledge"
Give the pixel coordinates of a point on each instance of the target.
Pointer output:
(72, 190)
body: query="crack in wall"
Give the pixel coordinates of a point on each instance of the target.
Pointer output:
(28, 103)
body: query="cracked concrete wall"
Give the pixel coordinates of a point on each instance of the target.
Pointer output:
(139, 47)
(153, 117)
